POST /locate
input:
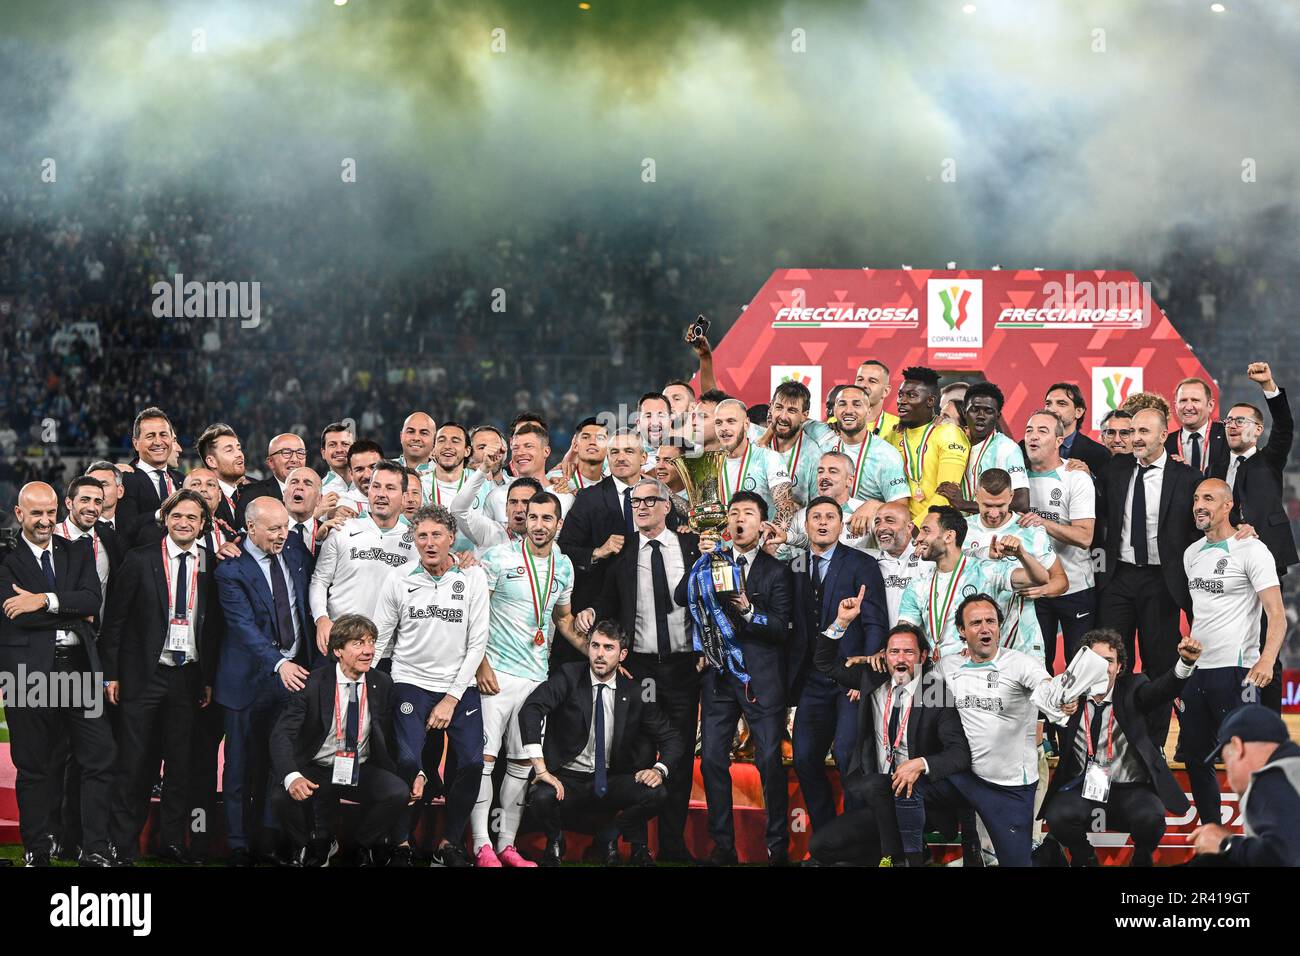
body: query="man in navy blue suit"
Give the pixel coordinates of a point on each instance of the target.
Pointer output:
(760, 614)
(827, 715)
(265, 655)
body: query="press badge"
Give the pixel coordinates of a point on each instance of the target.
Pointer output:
(343, 763)
(1096, 782)
(178, 634)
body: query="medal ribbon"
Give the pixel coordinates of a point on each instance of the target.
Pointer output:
(937, 624)
(539, 603)
(437, 492)
(793, 461)
(972, 477)
(740, 480)
(862, 458)
(913, 461)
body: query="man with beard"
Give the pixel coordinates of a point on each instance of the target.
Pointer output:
(900, 564)
(358, 557)
(876, 470)
(1199, 442)
(933, 453)
(929, 602)
(363, 456)
(681, 396)
(1065, 401)
(797, 438)
(85, 503)
(833, 472)
(1117, 432)
(654, 420)
(703, 435)
(873, 378)
(1064, 503)
(989, 448)
(335, 441)
(473, 522)
(993, 525)
(585, 463)
(219, 449)
(748, 468)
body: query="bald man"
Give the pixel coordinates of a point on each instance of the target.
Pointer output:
(418, 433)
(50, 593)
(266, 654)
(284, 453)
(1145, 500)
(895, 553)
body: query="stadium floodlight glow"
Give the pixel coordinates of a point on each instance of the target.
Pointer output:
(340, 3)
(1217, 8)
(969, 8)
(584, 6)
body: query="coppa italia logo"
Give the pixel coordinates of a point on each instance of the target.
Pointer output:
(955, 313)
(1111, 385)
(809, 375)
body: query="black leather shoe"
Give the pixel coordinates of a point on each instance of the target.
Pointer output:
(721, 857)
(39, 857)
(401, 856)
(677, 855)
(451, 855)
(366, 857)
(641, 856)
(607, 853)
(240, 856)
(320, 852)
(175, 854)
(99, 860)
(554, 852)
(778, 859)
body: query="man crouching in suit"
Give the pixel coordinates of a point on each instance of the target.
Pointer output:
(599, 731)
(334, 739)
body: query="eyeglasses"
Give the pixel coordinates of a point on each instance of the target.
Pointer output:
(1118, 433)
(288, 454)
(1239, 421)
(646, 502)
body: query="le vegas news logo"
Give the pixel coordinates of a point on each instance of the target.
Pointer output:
(954, 315)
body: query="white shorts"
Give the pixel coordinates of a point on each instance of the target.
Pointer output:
(501, 716)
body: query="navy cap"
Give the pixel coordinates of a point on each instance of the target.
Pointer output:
(1250, 722)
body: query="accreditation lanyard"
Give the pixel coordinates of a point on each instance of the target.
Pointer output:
(861, 462)
(309, 539)
(891, 749)
(437, 492)
(339, 704)
(939, 620)
(539, 594)
(94, 539)
(194, 585)
(740, 480)
(1110, 732)
(972, 476)
(914, 461)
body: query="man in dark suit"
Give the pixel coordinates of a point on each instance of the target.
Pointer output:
(607, 750)
(1255, 476)
(1146, 503)
(638, 594)
(151, 479)
(827, 714)
(285, 453)
(904, 701)
(159, 645)
(760, 616)
(1109, 732)
(50, 594)
(266, 654)
(1065, 401)
(307, 532)
(219, 450)
(1199, 442)
(334, 738)
(599, 524)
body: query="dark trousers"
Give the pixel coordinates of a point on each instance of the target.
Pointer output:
(860, 837)
(1208, 696)
(1137, 600)
(419, 748)
(381, 794)
(675, 685)
(1071, 615)
(1132, 808)
(209, 727)
(630, 804)
(169, 702)
(35, 733)
(1271, 696)
(722, 701)
(825, 720)
(245, 781)
(1007, 812)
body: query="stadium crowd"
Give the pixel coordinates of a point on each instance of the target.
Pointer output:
(500, 629)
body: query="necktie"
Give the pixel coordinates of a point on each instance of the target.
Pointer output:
(629, 528)
(47, 566)
(352, 730)
(741, 562)
(659, 580)
(1138, 525)
(162, 486)
(598, 718)
(895, 716)
(1195, 461)
(815, 610)
(1236, 477)
(1098, 711)
(181, 612)
(283, 612)
(296, 533)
